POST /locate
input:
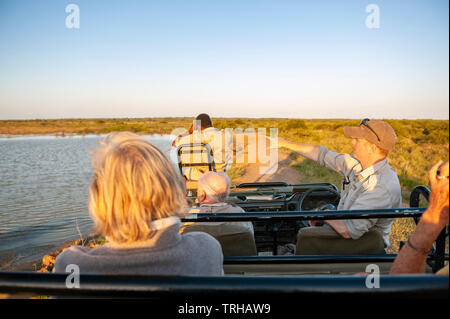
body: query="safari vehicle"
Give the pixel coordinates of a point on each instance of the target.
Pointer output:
(278, 211)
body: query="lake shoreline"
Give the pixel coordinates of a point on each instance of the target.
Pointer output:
(68, 135)
(46, 263)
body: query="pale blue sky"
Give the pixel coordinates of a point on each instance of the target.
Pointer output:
(233, 58)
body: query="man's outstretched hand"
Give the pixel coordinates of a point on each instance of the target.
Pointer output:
(279, 141)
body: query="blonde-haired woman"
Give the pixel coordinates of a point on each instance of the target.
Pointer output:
(136, 199)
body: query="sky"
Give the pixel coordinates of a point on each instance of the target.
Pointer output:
(228, 58)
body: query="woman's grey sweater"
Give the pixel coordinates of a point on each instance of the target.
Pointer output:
(165, 253)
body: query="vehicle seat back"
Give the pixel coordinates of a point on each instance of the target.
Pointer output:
(326, 241)
(234, 239)
(191, 186)
(198, 155)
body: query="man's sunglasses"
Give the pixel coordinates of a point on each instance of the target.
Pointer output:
(364, 122)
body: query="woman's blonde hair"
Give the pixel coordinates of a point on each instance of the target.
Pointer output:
(134, 183)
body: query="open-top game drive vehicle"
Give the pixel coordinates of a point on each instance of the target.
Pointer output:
(278, 212)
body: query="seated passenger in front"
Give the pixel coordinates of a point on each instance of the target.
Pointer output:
(136, 198)
(237, 238)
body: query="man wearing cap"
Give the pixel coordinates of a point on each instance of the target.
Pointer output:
(369, 181)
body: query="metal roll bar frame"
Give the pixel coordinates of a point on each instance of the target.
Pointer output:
(436, 258)
(157, 287)
(211, 164)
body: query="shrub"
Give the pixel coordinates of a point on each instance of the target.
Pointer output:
(296, 124)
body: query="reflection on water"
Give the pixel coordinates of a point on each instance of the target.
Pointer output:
(44, 185)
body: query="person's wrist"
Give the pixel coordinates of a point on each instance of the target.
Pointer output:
(423, 249)
(432, 218)
(432, 231)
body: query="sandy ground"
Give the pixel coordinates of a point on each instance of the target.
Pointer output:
(283, 173)
(280, 171)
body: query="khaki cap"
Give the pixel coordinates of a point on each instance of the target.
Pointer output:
(386, 135)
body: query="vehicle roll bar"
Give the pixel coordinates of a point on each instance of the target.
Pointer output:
(211, 164)
(414, 199)
(152, 286)
(262, 184)
(306, 215)
(312, 259)
(283, 184)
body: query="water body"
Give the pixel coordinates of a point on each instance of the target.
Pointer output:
(44, 186)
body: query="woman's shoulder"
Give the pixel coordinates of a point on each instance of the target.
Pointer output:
(71, 255)
(204, 252)
(197, 235)
(201, 240)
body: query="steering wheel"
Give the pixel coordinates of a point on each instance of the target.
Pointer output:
(314, 189)
(308, 193)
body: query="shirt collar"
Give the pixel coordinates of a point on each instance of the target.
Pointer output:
(165, 233)
(164, 223)
(371, 170)
(214, 205)
(210, 129)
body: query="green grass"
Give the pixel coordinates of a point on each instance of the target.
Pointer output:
(313, 173)
(235, 172)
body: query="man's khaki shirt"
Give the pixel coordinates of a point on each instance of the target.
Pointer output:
(376, 187)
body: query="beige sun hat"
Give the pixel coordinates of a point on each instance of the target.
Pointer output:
(379, 133)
